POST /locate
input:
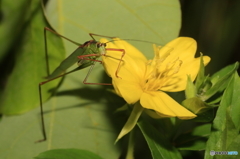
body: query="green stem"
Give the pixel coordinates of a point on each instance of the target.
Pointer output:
(130, 150)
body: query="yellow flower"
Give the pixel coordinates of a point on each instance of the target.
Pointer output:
(146, 81)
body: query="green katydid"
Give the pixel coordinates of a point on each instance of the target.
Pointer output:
(85, 55)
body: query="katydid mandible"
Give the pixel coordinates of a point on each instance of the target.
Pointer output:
(85, 55)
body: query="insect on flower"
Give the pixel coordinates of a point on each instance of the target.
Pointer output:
(85, 55)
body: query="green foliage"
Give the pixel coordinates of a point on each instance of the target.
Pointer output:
(194, 139)
(67, 154)
(20, 93)
(159, 146)
(225, 129)
(9, 21)
(190, 91)
(196, 105)
(207, 91)
(201, 78)
(219, 81)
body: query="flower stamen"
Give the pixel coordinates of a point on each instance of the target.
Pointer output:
(157, 78)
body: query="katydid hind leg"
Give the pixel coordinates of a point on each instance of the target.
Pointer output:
(46, 52)
(56, 33)
(41, 114)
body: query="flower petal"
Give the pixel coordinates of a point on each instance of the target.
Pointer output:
(164, 105)
(134, 62)
(121, 44)
(182, 48)
(130, 91)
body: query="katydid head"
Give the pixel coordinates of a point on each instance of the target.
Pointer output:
(99, 44)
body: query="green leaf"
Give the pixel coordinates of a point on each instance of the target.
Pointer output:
(220, 81)
(9, 33)
(78, 121)
(159, 146)
(225, 127)
(67, 154)
(157, 21)
(195, 104)
(194, 140)
(21, 90)
(235, 144)
(225, 139)
(122, 108)
(234, 101)
(190, 89)
(221, 73)
(218, 76)
(206, 85)
(201, 74)
(206, 116)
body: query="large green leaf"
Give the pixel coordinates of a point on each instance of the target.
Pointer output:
(67, 154)
(21, 90)
(11, 24)
(77, 121)
(157, 21)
